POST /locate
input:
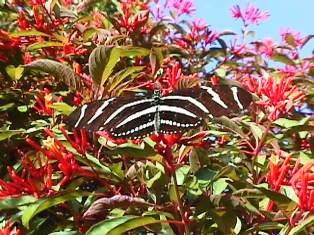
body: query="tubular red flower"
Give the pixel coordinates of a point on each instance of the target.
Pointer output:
(277, 98)
(251, 14)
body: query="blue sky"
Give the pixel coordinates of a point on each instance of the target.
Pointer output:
(297, 15)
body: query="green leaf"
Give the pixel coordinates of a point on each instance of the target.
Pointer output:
(221, 72)
(257, 130)
(58, 70)
(205, 176)
(283, 59)
(64, 233)
(123, 74)
(302, 225)
(44, 204)
(238, 226)
(103, 59)
(39, 45)
(290, 193)
(264, 227)
(22, 108)
(5, 134)
(227, 122)
(101, 63)
(282, 201)
(288, 123)
(14, 202)
(15, 73)
(7, 106)
(135, 151)
(120, 225)
(28, 33)
(219, 186)
(181, 174)
(63, 108)
(134, 51)
(299, 129)
(290, 40)
(226, 220)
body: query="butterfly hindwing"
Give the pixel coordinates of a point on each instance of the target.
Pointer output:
(139, 123)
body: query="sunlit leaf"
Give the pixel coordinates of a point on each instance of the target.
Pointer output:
(120, 225)
(15, 73)
(63, 108)
(45, 203)
(227, 122)
(181, 174)
(58, 70)
(302, 225)
(28, 33)
(123, 74)
(283, 59)
(103, 59)
(14, 202)
(5, 134)
(40, 45)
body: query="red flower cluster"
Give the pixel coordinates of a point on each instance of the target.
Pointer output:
(276, 98)
(43, 103)
(251, 15)
(181, 7)
(8, 47)
(129, 21)
(300, 178)
(37, 178)
(10, 230)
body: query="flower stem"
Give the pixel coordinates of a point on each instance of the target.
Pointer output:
(180, 205)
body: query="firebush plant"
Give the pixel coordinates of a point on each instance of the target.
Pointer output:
(252, 174)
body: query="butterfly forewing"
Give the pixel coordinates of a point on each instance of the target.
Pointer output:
(219, 100)
(104, 114)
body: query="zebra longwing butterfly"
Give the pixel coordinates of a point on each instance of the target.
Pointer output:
(138, 116)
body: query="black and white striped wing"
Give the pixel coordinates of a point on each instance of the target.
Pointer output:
(119, 116)
(217, 101)
(179, 112)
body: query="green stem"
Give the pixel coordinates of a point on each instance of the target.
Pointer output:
(180, 204)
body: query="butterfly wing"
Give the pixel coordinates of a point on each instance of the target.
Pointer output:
(218, 100)
(113, 115)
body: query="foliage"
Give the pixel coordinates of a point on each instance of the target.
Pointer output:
(247, 175)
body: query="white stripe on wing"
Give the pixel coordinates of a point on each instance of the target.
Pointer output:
(123, 107)
(100, 110)
(215, 95)
(189, 99)
(236, 97)
(83, 109)
(162, 108)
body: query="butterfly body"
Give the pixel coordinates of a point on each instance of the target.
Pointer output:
(139, 116)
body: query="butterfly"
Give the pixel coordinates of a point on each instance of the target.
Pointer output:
(140, 115)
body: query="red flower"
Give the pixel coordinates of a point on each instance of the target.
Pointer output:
(181, 7)
(43, 106)
(79, 142)
(267, 47)
(68, 48)
(251, 15)
(276, 98)
(288, 34)
(22, 21)
(10, 230)
(174, 74)
(37, 2)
